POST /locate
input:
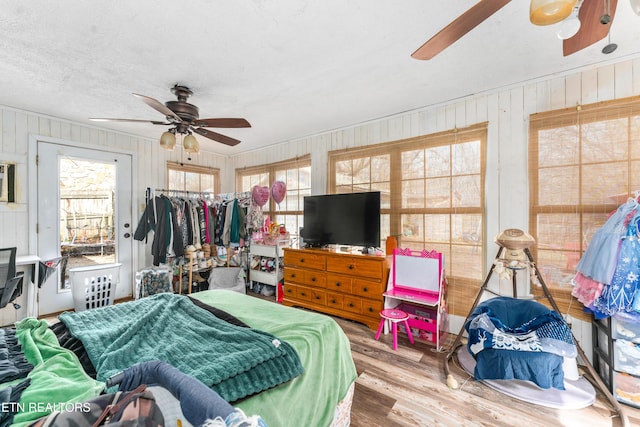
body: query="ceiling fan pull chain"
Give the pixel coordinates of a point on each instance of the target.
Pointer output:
(605, 19)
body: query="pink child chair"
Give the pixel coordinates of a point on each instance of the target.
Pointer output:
(394, 316)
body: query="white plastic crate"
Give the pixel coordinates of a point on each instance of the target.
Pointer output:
(94, 286)
(626, 357)
(626, 326)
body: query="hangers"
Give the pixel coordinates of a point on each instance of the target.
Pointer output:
(207, 196)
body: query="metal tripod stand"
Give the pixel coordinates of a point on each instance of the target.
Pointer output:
(593, 376)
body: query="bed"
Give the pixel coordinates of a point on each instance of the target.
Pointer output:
(320, 394)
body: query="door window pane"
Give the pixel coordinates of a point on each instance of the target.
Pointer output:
(87, 190)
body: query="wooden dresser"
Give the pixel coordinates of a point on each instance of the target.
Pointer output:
(341, 284)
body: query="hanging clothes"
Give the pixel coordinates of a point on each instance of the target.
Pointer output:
(205, 211)
(585, 289)
(158, 217)
(619, 294)
(178, 222)
(600, 258)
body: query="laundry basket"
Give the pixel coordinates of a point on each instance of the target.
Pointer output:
(94, 286)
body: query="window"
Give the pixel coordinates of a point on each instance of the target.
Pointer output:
(296, 174)
(583, 163)
(199, 179)
(432, 190)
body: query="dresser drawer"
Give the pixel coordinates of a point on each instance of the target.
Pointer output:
(318, 296)
(370, 268)
(371, 307)
(335, 300)
(352, 304)
(294, 275)
(304, 259)
(368, 289)
(290, 290)
(336, 282)
(316, 279)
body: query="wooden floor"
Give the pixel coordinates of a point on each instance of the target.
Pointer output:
(407, 387)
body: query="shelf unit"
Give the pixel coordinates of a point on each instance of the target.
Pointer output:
(616, 346)
(603, 350)
(275, 252)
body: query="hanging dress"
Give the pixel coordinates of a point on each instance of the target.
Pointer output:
(619, 294)
(600, 258)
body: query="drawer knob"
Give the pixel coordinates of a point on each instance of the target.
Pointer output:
(289, 290)
(365, 289)
(351, 266)
(350, 304)
(370, 309)
(302, 293)
(313, 279)
(317, 296)
(293, 275)
(301, 259)
(333, 301)
(337, 284)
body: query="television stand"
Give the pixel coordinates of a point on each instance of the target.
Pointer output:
(347, 285)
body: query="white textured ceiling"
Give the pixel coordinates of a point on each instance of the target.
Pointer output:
(292, 68)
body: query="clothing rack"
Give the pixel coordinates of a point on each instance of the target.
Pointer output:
(225, 196)
(240, 196)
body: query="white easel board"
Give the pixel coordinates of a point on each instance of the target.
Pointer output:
(419, 271)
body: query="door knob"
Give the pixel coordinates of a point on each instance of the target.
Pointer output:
(127, 235)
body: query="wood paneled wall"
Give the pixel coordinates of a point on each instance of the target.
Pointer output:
(507, 110)
(16, 128)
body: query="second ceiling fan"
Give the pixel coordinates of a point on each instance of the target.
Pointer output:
(595, 18)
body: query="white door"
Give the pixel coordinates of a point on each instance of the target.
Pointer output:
(84, 215)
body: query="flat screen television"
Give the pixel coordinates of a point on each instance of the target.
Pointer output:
(342, 219)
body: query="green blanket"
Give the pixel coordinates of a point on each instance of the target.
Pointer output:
(57, 377)
(234, 361)
(324, 349)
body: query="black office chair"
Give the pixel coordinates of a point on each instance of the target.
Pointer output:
(12, 286)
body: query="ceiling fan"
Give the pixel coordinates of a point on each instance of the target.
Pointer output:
(595, 18)
(184, 117)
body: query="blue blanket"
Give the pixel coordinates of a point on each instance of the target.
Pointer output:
(234, 361)
(505, 323)
(519, 339)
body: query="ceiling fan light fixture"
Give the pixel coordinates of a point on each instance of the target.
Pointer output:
(569, 27)
(168, 140)
(190, 144)
(548, 12)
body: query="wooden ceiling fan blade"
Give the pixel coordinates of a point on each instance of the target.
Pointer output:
(591, 29)
(158, 106)
(223, 123)
(101, 119)
(216, 136)
(458, 28)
